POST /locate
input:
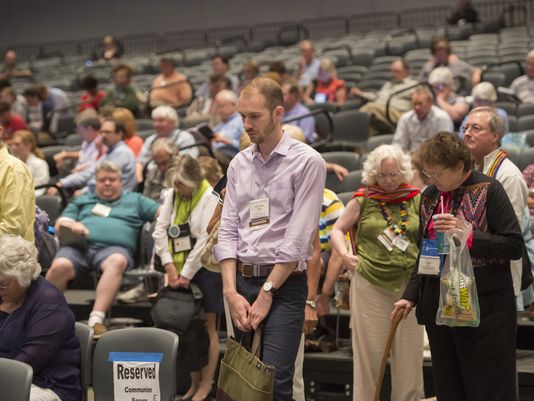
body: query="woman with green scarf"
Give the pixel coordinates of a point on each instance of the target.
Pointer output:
(384, 217)
(179, 238)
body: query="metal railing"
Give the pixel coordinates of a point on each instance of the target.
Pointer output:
(511, 12)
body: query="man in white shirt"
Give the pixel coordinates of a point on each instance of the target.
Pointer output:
(483, 132)
(523, 86)
(421, 123)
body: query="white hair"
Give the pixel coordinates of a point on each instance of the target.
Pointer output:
(328, 65)
(166, 113)
(484, 91)
(371, 167)
(107, 166)
(530, 54)
(440, 75)
(228, 96)
(18, 259)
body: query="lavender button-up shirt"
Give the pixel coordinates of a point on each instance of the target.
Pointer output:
(293, 178)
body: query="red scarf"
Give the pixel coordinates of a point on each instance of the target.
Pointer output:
(375, 192)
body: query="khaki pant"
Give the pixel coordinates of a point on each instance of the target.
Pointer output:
(379, 124)
(298, 379)
(371, 308)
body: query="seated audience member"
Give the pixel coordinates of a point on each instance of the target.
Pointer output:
(163, 153)
(10, 69)
(442, 57)
(308, 68)
(293, 107)
(400, 104)
(447, 100)
(17, 198)
(117, 153)
(528, 174)
(127, 119)
(56, 105)
(327, 87)
(279, 67)
(112, 49)
(211, 169)
(171, 87)
(24, 146)
(17, 102)
(421, 123)
(35, 116)
(110, 219)
(465, 13)
(523, 86)
(91, 149)
(202, 109)
(228, 131)
(249, 71)
(219, 67)
(91, 98)
(484, 94)
(122, 94)
(37, 324)
(10, 121)
(331, 263)
(165, 123)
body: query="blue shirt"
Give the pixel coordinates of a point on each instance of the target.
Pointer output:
(307, 124)
(120, 155)
(311, 71)
(41, 333)
(121, 227)
(179, 137)
(231, 129)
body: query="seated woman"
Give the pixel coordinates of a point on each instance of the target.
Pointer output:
(187, 208)
(126, 118)
(327, 87)
(36, 324)
(24, 146)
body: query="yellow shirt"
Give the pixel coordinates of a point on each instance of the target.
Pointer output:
(17, 198)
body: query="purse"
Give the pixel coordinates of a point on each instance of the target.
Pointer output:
(206, 258)
(242, 375)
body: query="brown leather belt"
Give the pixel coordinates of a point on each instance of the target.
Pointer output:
(258, 270)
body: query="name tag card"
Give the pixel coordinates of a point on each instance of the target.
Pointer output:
(429, 261)
(136, 376)
(101, 210)
(181, 244)
(259, 213)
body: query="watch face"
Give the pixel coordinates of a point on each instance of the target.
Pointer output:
(267, 286)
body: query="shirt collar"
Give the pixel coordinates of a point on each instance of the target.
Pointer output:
(488, 159)
(282, 148)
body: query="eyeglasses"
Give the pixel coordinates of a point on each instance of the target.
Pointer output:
(475, 128)
(391, 175)
(431, 175)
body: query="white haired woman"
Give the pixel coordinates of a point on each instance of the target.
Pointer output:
(385, 217)
(36, 324)
(484, 94)
(188, 206)
(442, 82)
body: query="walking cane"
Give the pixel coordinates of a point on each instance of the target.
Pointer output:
(392, 330)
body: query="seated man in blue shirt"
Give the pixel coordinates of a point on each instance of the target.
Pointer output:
(117, 153)
(229, 130)
(110, 220)
(294, 108)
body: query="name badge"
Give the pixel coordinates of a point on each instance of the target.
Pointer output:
(259, 213)
(401, 243)
(101, 210)
(429, 261)
(181, 244)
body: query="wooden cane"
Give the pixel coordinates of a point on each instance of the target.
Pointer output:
(392, 331)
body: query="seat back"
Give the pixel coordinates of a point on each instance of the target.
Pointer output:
(351, 126)
(15, 380)
(51, 204)
(85, 336)
(138, 340)
(349, 160)
(352, 182)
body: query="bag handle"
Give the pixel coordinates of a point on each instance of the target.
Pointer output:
(256, 343)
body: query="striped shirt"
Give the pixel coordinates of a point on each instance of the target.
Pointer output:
(331, 209)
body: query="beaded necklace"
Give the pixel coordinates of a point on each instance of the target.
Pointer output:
(386, 213)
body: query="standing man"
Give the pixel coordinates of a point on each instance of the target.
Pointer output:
(482, 135)
(17, 196)
(270, 215)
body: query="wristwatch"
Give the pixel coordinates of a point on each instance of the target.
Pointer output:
(310, 303)
(268, 287)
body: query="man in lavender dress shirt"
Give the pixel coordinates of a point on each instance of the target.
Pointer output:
(270, 215)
